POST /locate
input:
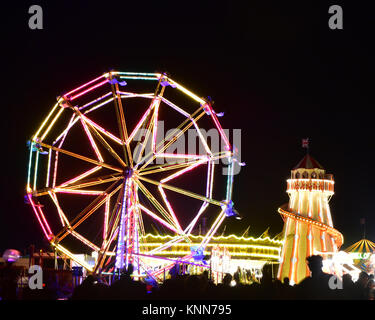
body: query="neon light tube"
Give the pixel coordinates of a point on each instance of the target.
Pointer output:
(186, 91)
(52, 123)
(83, 192)
(136, 74)
(99, 105)
(45, 121)
(106, 217)
(178, 173)
(81, 176)
(37, 216)
(85, 85)
(169, 208)
(36, 169)
(88, 90)
(153, 215)
(29, 168)
(178, 109)
(107, 133)
(63, 218)
(92, 142)
(96, 100)
(130, 138)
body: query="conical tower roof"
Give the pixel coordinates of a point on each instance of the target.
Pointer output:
(308, 162)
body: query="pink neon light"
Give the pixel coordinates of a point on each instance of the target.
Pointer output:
(180, 156)
(96, 100)
(102, 130)
(85, 85)
(150, 213)
(92, 141)
(89, 89)
(138, 125)
(37, 215)
(175, 175)
(83, 192)
(81, 176)
(200, 212)
(106, 214)
(44, 219)
(155, 129)
(169, 207)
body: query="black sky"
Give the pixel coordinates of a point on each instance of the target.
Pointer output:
(275, 68)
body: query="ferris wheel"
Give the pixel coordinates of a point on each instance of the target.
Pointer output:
(102, 170)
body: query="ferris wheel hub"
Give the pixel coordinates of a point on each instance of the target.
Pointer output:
(128, 173)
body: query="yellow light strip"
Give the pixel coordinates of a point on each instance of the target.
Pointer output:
(149, 235)
(229, 245)
(45, 121)
(52, 123)
(71, 256)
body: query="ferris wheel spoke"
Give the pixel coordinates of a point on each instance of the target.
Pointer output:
(88, 211)
(149, 134)
(94, 131)
(154, 216)
(220, 218)
(142, 121)
(165, 167)
(63, 218)
(172, 137)
(78, 156)
(89, 135)
(79, 177)
(152, 126)
(93, 181)
(156, 203)
(121, 122)
(102, 130)
(181, 191)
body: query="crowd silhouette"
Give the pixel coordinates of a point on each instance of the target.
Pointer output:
(201, 287)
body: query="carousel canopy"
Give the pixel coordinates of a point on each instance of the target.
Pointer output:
(362, 246)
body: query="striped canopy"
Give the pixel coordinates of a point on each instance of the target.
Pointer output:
(362, 246)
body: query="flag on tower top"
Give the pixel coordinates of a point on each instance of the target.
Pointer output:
(305, 143)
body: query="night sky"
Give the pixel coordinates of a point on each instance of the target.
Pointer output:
(276, 69)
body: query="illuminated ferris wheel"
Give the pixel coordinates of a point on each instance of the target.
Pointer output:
(102, 170)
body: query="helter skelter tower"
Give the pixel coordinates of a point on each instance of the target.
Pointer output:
(308, 227)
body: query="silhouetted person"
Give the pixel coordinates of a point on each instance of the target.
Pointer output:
(287, 291)
(369, 291)
(348, 287)
(227, 280)
(266, 288)
(126, 288)
(286, 282)
(317, 285)
(8, 281)
(360, 286)
(85, 289)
